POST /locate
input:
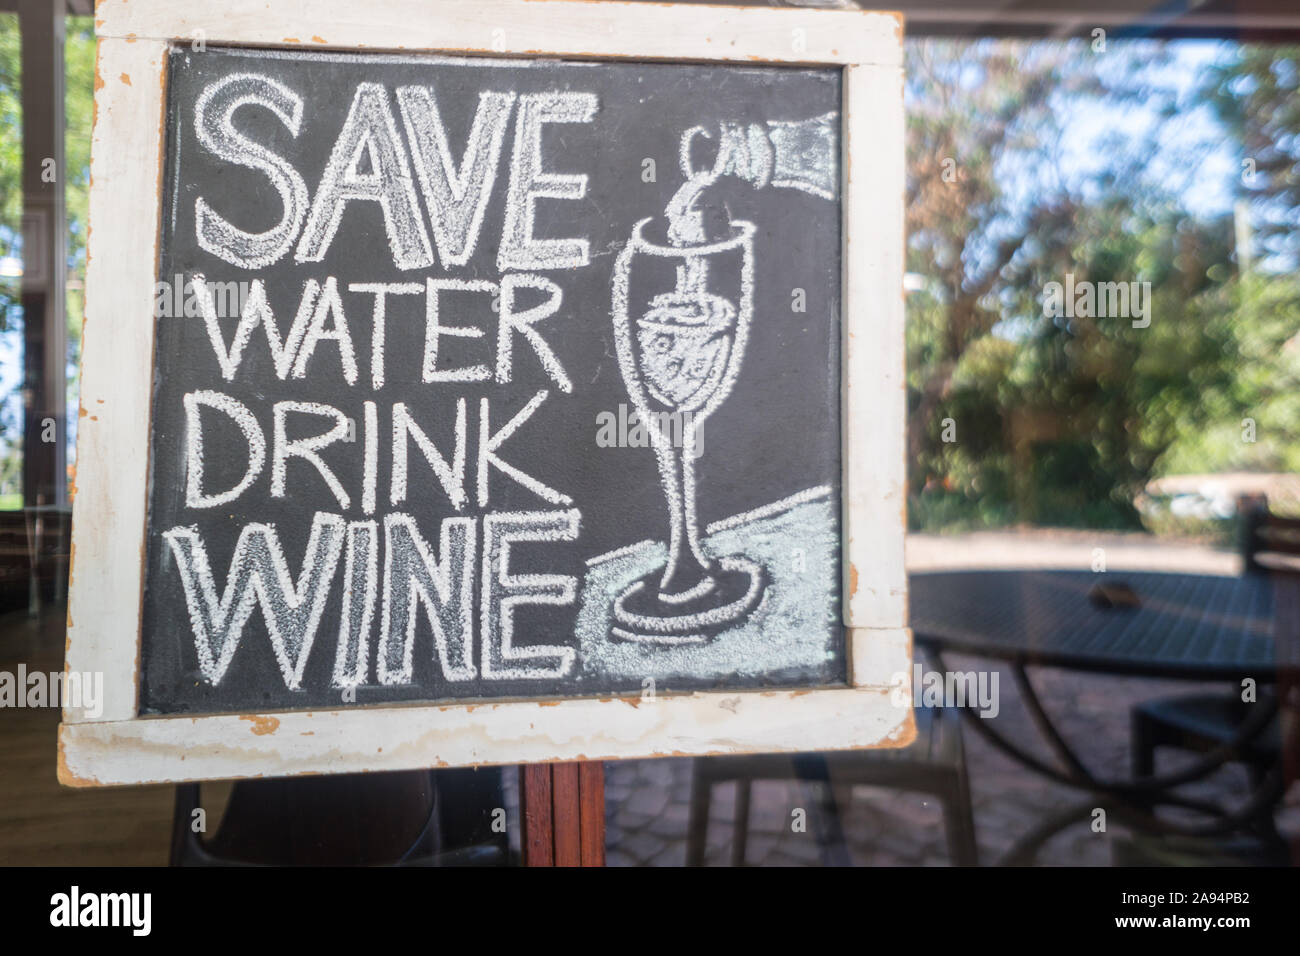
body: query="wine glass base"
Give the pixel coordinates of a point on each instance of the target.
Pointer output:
(643, 615)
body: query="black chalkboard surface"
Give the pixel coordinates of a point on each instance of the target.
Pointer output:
(492, 378)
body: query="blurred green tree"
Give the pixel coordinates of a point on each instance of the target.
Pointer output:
(1020, 414)
(1256, 94)
(79, 66)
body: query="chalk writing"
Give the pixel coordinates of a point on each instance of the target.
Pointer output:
(413, 338)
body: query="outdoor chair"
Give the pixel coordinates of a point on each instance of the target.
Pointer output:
(934, 763)
(1268, 541)
(1199, 723)
(1205, 721)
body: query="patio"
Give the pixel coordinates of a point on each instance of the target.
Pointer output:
(648, 801)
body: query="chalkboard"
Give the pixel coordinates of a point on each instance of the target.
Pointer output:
(480, 378)
(514, 385)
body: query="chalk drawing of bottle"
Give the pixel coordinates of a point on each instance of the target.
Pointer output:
(798, 154)
(683, 299)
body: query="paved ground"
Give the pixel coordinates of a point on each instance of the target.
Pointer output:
(1066, 548)
(648, 801)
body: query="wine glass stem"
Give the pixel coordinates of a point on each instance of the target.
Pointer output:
(687, 567)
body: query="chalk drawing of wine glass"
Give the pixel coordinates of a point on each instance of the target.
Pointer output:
(682, 313)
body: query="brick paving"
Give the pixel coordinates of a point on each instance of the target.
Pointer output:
(647, 802)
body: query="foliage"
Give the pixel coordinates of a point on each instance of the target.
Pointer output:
(78, 107)
(11, 160)
(79, 65)
(1256, 93)
(1063, 420)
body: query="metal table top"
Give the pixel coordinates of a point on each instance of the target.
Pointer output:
(1187, 626)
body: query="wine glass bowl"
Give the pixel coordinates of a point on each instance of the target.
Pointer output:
(691, 307)
(683, 345)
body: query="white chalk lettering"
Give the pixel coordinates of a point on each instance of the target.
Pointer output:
(241, 416)
(513, 320)
(503, 592)
(451, 475)
(328, 305)
(381, 291)
(370, 132)
(258, 576)
(457, 198)
(306, 448)
(370, 466)
(445, 588)
(529, 182)
(489, 442)
(434, 329)
(215, 130)
(360, 591)
(256, 310)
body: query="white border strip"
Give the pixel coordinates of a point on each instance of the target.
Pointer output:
(585, 28)
(402, 738)
(873, 389)
(105, 575)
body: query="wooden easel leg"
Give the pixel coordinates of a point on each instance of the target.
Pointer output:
(591, 791)
(535, 807)
(563, 807)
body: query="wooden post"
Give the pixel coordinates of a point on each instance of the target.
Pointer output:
(45, 478)
(563, 807)
(1286, 636)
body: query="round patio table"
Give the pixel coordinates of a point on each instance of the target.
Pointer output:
(1193, 626)
(1184, 626)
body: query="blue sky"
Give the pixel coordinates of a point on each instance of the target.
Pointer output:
(1206, 183)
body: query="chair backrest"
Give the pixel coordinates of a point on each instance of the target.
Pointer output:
(1268, 541)
(1286, 633)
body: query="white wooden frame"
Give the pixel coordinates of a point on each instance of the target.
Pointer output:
(118, 746)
